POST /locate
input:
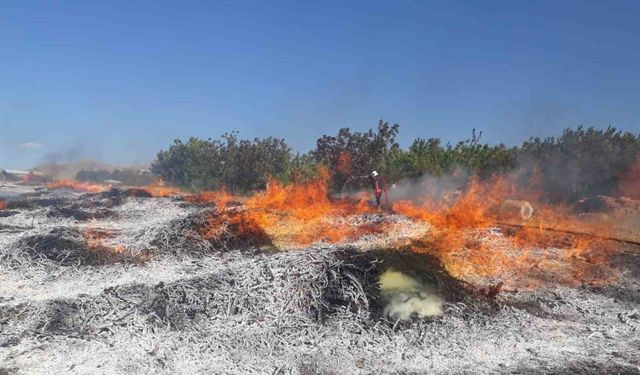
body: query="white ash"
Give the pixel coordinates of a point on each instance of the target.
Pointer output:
(304, 312)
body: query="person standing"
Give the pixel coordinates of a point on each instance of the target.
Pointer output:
(377, 183)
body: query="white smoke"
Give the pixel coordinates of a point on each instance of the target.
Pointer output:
(427, 187)
(405, 297)
(432, 188)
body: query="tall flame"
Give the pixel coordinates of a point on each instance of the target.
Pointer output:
(463, 232)
(292, 215)
(301, 214)
(463, 239)
(629, 183)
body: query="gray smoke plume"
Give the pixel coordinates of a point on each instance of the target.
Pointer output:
(65, 163)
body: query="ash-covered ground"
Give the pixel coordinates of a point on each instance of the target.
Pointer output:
(120, 282)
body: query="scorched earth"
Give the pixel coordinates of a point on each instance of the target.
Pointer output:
(128, 281)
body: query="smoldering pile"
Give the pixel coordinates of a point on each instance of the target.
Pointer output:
(179, 297)
(284, 292)
(77, 206)
(67, 229)
(334, 280)
(61, 245)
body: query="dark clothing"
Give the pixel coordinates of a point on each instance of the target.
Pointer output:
(376, 183)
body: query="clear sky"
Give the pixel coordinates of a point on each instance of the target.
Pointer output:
(117, 81)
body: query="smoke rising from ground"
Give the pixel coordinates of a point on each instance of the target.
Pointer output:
(405, 297)
(68, 170)
(66, 162)
(433, 188)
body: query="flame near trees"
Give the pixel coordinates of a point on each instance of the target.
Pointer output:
(465, 239)
(466, 231)
(156, 189)
(293, 215)
(78, 187)
(629, 183)
(159, 189)
(303, 213)
(344, 165)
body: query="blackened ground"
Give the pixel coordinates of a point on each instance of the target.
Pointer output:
(194, 306)
(63, 246)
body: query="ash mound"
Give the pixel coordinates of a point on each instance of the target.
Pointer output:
(166, 285)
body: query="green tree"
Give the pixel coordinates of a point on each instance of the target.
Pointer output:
(239, 165)
(580, 162)
(352, 154)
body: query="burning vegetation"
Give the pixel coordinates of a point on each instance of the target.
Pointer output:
(155, 189)
(303, 214)
(309, 260)
(480, 234)
(78, 187)
(477, 236)
(484, 231)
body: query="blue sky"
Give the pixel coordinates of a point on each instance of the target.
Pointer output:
(117, 81)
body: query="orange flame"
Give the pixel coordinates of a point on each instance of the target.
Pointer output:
(79, 187)
(344, 164)
(463, 240)
(3, 204)
(302, 214)
(94, 238)
(228, 223)
(629, 184)
(290, 215)
(158, 189)
(462, 234)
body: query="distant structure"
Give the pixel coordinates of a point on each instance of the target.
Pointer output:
(16, 175)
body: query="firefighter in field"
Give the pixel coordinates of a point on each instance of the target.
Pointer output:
(378, 184)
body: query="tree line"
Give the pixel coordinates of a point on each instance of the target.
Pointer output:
(578, 163)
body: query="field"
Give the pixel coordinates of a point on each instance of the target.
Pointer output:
(121, 281)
